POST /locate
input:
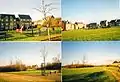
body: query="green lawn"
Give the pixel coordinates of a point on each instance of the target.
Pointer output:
(101, 34)
(93, 74)
(27, 35)
(29, 76)
(30, 72)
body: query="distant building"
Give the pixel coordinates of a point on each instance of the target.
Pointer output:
(79, 25)
(66, 25)
(39, 22)
(7, 21)
(70, 26)
(25, 20)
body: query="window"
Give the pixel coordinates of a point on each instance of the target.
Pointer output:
(11, 24)
(6, 24)
(11, 19)
(6, 19)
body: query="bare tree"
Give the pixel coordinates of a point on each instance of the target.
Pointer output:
(44, 55)
(84, 59)
(11, 62)
(45, 9)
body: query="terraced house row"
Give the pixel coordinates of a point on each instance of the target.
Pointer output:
(66, 25)
(10, 21)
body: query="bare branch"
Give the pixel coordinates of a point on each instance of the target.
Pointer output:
(38, 10)
(47, 5)
(50, 9)
(44, 52)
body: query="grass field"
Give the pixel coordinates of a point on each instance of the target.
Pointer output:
(29, 76)
(27, 35)
(93, 74)
(101, 34)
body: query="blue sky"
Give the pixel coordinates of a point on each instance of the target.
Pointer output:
(28, 52)
(90, 10)
(95, 52)
(26, 7)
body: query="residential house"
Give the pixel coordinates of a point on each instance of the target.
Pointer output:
(79, 25)
(7, 21)
(39, 22)
(25, 20)
(70, 26)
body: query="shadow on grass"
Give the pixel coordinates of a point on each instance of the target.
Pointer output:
(29, 34)
(57, 38)
(94, 77)
(16, 38)
(6, 36)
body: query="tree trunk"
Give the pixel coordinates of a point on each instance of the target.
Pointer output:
(48, 34)
(39, 31)
(44, 67)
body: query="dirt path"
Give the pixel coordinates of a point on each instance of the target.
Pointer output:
(114, 73)
(24, 78)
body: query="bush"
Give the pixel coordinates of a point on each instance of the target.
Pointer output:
(12, 68)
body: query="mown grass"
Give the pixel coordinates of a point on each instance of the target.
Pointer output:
(27, 35)
(3, 80)
(30, 72)
(29, 76)
(101, 34)
(93, 74)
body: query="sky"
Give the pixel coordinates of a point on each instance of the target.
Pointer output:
(95, 53)
(88, 11)
(28, 52)
(27, 7)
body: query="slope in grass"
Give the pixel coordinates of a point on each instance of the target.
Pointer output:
(87, 75)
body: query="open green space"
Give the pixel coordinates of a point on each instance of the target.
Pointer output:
(91, 74)
(101, 34)
(30, 76)
(36, 36)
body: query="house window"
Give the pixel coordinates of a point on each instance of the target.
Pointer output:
(11, 19)
(6, 24)
(6, 19)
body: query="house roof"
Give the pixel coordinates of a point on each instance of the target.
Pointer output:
(24, 16)
(2, 15)
(78, 22)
